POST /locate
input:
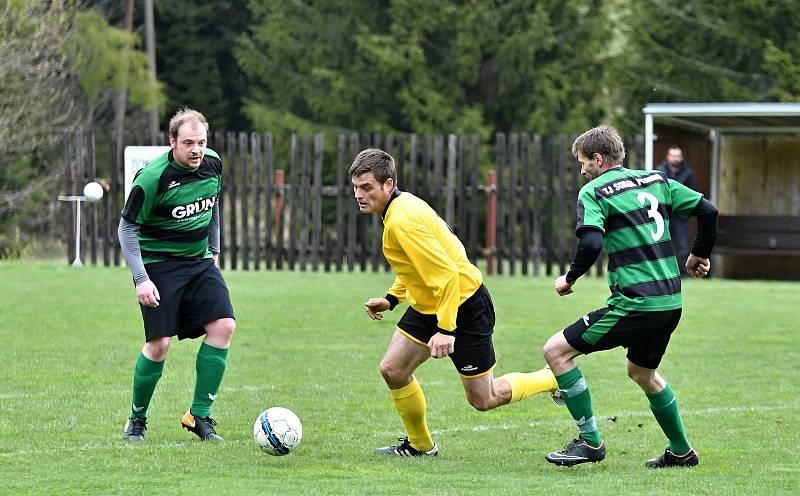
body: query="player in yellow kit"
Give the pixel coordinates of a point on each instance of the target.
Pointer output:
(450, 310)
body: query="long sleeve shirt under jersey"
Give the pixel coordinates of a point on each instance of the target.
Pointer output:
(590, 241)
(431, 266)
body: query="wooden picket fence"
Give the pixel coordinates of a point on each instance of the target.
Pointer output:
(290, 205)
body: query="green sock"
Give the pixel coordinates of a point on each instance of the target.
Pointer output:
(210, 367)
(145, 377)
(579, 403)
(665, 408)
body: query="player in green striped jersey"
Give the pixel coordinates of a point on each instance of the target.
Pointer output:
(627, 213)
(169, 233)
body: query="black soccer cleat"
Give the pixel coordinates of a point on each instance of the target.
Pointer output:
(134, 429)
(203, 427)
(578, 451)
(670, 459)
(405, 449)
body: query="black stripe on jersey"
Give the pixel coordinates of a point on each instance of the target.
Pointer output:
(134, 203)
(639, 254)
(160, 255)
(191, 236)
(579, 210)
(173, 177)
(635, 217)
(653, 288)
(627, 183)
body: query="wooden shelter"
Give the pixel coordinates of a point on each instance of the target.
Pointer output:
(746, 157)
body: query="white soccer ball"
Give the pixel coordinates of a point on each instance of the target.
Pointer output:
(93, 192)
(277, 431)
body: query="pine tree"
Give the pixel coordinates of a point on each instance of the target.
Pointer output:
(706, 51)
(436, 65)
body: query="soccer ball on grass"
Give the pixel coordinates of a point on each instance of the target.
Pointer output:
(277, 431)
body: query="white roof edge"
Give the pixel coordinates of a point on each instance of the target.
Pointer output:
(723, 109)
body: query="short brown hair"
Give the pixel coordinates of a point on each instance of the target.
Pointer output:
(376, 161)
(181, 117)
(603, 139)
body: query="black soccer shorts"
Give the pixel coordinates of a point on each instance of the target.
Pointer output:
(193, 293)
(645, 334)
(474, 351)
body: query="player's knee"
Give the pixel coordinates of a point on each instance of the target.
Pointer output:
(223, 328)
(389, 371)
(547, 352)
(551, 351)
(156, 349)
(639, 376)
(228, 326)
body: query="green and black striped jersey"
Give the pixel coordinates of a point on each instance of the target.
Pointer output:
(173, 206)
(632, 209)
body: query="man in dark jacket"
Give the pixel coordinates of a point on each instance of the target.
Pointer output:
(678, 170)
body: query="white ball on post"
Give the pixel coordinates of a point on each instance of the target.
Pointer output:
(93, 192)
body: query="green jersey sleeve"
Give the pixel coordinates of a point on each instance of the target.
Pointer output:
(589, 210)
(684, 200)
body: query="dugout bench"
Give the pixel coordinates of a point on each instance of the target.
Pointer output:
(758, 235)
(758, 247)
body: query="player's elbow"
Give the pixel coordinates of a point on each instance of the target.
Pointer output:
(706, 211)
(711, 209)
(444, 283)
(121, 231)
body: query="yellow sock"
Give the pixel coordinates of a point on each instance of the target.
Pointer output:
(524, 384)
(410, 404)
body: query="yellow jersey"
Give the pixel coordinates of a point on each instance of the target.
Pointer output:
(432, 269)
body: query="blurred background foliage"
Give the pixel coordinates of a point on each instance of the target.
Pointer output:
(440, 66)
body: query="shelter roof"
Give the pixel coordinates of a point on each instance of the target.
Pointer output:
(729, 117)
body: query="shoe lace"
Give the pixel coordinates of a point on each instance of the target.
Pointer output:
(404, 445)
(210, 422)
(138, 426)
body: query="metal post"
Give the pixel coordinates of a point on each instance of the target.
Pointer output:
(280, 193)
(150, 46)
(715, 137)
(648, 141)
(77, 262)
(77, 200)
(450, 208)
(491, 221)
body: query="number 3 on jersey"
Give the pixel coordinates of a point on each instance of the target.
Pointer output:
(653, 213)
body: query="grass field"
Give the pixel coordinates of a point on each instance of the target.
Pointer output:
(70, 339)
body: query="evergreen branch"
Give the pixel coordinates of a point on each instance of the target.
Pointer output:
(9, 201)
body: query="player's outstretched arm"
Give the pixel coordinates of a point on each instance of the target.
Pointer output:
(590, 243)
(213, 236)
(146, 291)
(699, 262)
